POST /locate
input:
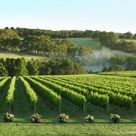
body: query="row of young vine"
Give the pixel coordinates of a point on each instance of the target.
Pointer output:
(115, 98)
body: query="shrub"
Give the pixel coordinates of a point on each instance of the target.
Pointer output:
(8, 117)
(63, 118)
(35, 118)
(89, 118)
(115, 118)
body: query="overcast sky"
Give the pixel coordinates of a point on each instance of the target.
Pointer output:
(108, 15)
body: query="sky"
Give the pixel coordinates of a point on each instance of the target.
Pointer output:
(104, 15)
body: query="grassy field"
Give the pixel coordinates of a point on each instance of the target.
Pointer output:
(85, 42)
(11, 54)
(76, 126)
(49, 129)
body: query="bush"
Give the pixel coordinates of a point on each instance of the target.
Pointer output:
(35, 118)
(115, 118)
(63, 118)
(7, 117)
(89, 118)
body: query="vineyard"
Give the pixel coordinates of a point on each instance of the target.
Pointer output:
(75, 95)
(105, 93)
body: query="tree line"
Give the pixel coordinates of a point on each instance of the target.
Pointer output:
(113, 41)
(51, 43)
(10, 39)
(21, 67)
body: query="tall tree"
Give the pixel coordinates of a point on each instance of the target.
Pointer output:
(32, 68)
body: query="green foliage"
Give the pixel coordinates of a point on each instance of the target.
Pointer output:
(29, 91)
(68, 94)
(67, 85)
(20, 67)
(84, 51)
(121, 100)
(16, 67)
(108, 39)
(98, 99)
(32, 68)
(126, 45)
(3, 82)
(63, 67)
(100, 89)
(10, 93)
(46, 92)
(3, 71)
(117, 67)
(8, 34)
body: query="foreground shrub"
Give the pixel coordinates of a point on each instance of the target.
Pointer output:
(115, 118)
(63, 118)
(35, 118)
(7, 117)
(89, 118)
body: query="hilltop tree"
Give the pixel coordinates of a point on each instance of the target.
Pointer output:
(108, 39)
(128, 35)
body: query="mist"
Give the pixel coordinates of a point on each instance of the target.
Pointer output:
(100, 59)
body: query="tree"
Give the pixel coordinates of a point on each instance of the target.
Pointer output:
(20, 67)
(63, 67)
(84, 51)
(3, 71)
(108, 39)
(32, 68)
(128, 35)
(117, 67)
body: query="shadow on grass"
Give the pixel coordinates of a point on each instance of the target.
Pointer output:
(54, 121)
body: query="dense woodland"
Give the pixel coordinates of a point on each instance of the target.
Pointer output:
(63, 55)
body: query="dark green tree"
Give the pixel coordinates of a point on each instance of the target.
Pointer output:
(20, 67)
(3, 71)
(32, 68)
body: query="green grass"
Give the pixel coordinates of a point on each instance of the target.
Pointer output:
(15, 55)
(27, 129)
(85, 42)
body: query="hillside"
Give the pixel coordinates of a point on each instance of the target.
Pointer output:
(85, 42)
